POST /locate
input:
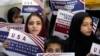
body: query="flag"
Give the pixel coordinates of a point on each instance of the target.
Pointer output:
(95, 23)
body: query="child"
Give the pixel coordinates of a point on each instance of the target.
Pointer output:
(53, 45)
(14, 16)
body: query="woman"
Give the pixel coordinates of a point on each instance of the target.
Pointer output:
(81, 36)
(53, 45)
(14, 16)
(35, 25)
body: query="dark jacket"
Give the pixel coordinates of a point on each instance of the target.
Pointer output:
(81, 47)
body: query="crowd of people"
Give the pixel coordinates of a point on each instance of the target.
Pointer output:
(80, 38)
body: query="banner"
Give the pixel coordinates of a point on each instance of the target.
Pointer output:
(69, 5)
(29, 6)
(95, 49)
(55, 54)
(62, 24)
(24, 44)
(7, 26)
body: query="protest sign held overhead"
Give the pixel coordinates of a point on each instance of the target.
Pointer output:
(62, 24)
(69, 5)
(29, 6)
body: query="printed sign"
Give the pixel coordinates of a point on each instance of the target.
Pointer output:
(62, 24)
(29, 6)
(7, 26)
(24, 44)
(69, 5)
(55, 54)
(3, 35)
(95, 49)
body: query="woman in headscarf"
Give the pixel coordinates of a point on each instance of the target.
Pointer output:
(81, 35)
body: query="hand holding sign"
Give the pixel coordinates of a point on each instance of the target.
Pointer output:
(5, 43)
(40, 3)
(95, 49)
(24, 44)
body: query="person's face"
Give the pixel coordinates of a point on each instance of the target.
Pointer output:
(53, 48)
(86, 26)
(17, 19)
(34, 25)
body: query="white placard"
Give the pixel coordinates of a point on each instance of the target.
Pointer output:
(7, 26)
(22, 43)
(62, 24)
(95, 49)
(55, 54)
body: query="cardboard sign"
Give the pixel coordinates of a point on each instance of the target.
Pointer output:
(95, 49)
(69, 5)
(62, 24)
(29, 6)
(24, 44)
(55, 54)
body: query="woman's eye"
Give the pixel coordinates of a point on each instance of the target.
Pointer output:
(38, 23)
(50, 50)
(30, 23)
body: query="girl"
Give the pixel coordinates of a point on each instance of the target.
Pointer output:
(53, 45)
(14, 16)
(81, 36)
(35, 25)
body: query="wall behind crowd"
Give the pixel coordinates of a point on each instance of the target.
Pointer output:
(5, 5)
(4, 9)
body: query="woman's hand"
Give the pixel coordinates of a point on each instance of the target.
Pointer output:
(5, 43)
(40, 3)
(89, 54)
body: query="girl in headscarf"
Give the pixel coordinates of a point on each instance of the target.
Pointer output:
(81, 35)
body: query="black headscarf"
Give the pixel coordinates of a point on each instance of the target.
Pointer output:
(78, 42)
(74, 32)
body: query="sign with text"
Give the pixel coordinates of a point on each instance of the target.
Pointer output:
(95, 49)
(55, 54)
(62, 24)
(7, 26)
(69, 5)
(24, 44)
(29, 6)
(3, 35)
